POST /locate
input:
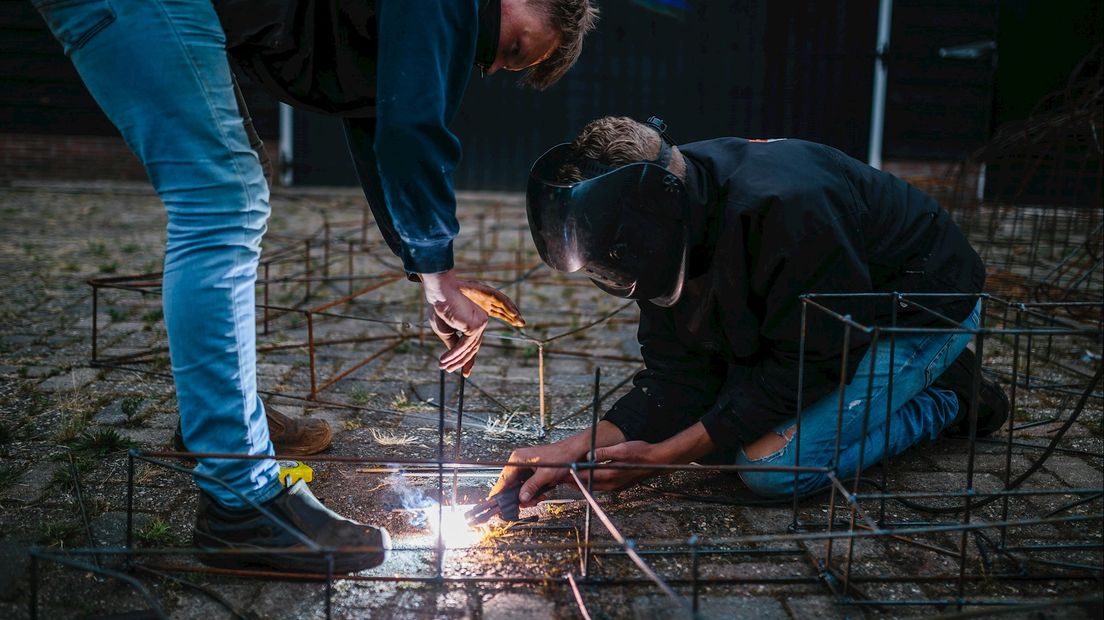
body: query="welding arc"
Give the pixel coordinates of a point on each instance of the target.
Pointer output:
(752, 500)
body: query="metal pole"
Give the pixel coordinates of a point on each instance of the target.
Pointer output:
(287, 155)
(130, 500)
(693, 542)
(877, 106)
(95, 321)
(540, 378)
(590, 459)
(441, 477)
(459, 428)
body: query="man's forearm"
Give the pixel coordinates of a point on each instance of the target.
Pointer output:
(608, 434)
(688, 445)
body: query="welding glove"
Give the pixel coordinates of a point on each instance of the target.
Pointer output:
(493, 301)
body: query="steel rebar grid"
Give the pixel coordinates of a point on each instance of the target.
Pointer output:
(1015, 334)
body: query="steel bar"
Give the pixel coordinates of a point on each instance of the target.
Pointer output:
(459, 430)
(591, 460)
(627, 544)
(441, 476)
(583, 613)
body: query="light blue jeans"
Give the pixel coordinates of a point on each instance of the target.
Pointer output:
(158, 69)
(919, 412)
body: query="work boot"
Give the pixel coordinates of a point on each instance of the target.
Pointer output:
(992, 401)
(240, 531)
(290, 437)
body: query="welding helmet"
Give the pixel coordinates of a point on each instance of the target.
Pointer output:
(626, 227)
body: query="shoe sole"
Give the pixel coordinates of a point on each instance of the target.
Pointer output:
(220, 553)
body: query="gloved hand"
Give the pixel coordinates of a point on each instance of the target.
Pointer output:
(493, 301)
(504, 504)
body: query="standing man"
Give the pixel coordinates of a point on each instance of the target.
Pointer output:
(396, 69)
(748, 227)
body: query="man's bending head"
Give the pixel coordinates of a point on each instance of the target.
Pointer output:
(616, 141)
(542, 37)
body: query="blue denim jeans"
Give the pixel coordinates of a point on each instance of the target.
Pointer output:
(158, 69)
(919, 412)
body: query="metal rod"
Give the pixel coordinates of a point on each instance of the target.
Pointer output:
(794, 523)
(583, 613)
(627, 544)
(839, 433)
(693, 542)
(131, 453)
(307, 266)
(95, 322)
(540, 380)
(591, 460)
(310, 351)
(459, 430)
(441, 477)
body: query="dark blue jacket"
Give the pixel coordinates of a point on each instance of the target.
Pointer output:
(396, 71)
(779, 219)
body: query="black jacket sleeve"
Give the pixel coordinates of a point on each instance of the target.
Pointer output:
(676, 386)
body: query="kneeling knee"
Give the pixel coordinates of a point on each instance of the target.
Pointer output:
(768, 484)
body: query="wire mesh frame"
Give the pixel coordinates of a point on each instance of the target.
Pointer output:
(836, 574)
(313, 276)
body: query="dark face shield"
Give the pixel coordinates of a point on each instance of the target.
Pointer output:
(626, 228)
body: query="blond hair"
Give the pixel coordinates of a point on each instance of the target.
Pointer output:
(616, 141)
(573, 19)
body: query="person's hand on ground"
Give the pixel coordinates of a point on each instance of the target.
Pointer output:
(532, 479)
(570, 450)
(493, 301)
(639, 452)
(456, 320)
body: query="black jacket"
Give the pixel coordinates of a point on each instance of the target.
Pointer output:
(395, 71)
(776, 219)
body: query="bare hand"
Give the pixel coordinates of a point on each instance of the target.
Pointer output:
(493, 301)
(538, 477)
(639, 452)
(456, 320)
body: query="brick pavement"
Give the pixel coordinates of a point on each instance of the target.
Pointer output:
(52, 403)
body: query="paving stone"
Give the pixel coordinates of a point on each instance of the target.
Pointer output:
(191, 605)
(1075, 471)
(819, 607)
(109, 529)
(711, 607)
(113, 413)
(148, 436)
(72, 380)
(517, 606)
(522, 373)
(13, 568)
(289, 600)
(34, 482)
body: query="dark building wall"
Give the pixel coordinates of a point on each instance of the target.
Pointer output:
(939, 107)
(758, 68)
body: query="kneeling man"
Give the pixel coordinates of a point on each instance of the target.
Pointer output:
(717, 241)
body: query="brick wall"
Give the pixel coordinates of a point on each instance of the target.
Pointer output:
(75, 158)
(101, 158)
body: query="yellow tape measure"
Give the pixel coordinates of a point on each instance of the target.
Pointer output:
(294, 471)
